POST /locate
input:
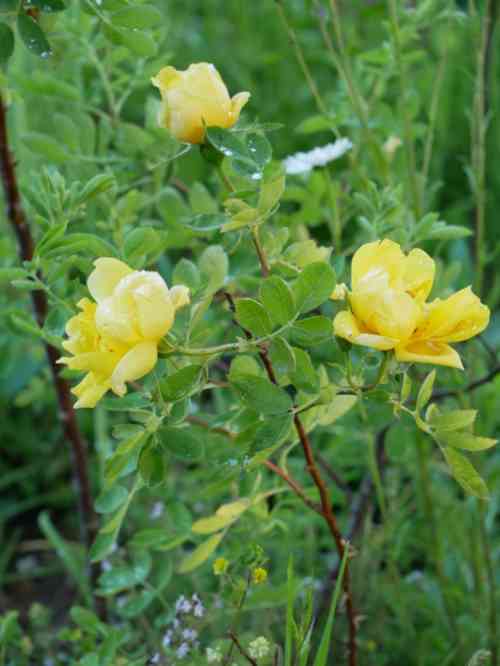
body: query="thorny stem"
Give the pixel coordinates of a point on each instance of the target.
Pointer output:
(17, 219)
(294, 485)
(326, 504)
(409, 144)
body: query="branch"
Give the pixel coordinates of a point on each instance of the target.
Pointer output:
(241, 649)
(17, 219)
(326, 504)
(359, 510)
(447, 393)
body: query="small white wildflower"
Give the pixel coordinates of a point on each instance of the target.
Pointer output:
(167, 639)
(391, 145)
(26, 563)
(182, 605)
(106, 565)
(182, 650)
(176, 623)
(259, 648)
(213, 656)
(155, 659)
(157, 510)
(199, 610)
(305, 162)
(121, 600)
(189, 634)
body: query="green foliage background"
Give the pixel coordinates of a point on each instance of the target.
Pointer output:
(99, 178)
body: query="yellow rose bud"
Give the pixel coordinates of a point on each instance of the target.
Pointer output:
(115, 340)
(194, 99)
(259, 575)
(220, 566)
(388, 308)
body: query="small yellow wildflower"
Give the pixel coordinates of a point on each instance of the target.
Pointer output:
(220, 566)
(388, 308)
(259, 575)
(115, 339)
(194, 99)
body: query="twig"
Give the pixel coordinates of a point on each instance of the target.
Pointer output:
(17, 219)
(334, 476)
(447, 393)
(297, 489)
(242, 651)
(359, 510)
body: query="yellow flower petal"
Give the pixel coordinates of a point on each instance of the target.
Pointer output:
(194, 99)
(377, 264)
(427, 351)
(345, 326)
(237, 103)
(418, 277)
(90, 390)
(100, 362)
(388, 312)
(136, 363)
(106, 275)
(457, 318)
(179, 296)
(339, 293)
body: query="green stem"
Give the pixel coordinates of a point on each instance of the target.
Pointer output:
(409, 143)
(491, 586)
(478, 157)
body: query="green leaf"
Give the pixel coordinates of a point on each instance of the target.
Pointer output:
(67, 554)
(102, 546)
(465, 441)
(6, 42)
(109, 500)
(277, 299)
(140, 43)
(321, 658)
(262, 396)
(181, 384)
(313, 124)
(224, 516)
(272, 187)
(425, 391)
(205, 222)
(182, 443)
(33, 36)
(304, 377)
(214, 266)
(88, 621)
(186, 273)
(405, 387)
(454, 420)
(339, 406)
(150, 538)
(152, 466)
(227, 143)
(465, 474)
(139, 242)
(311, 331)
(142, 16)
(272, 432)
(282, 357)
(46, 146)
(314, 286)
(201, 553)
(252, 316)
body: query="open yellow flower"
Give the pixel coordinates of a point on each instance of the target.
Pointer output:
(194, 99)
(389, 309)
(115, 340)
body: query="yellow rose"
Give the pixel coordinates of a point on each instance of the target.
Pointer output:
(115, 340)
(194, 99)
(389, 309)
